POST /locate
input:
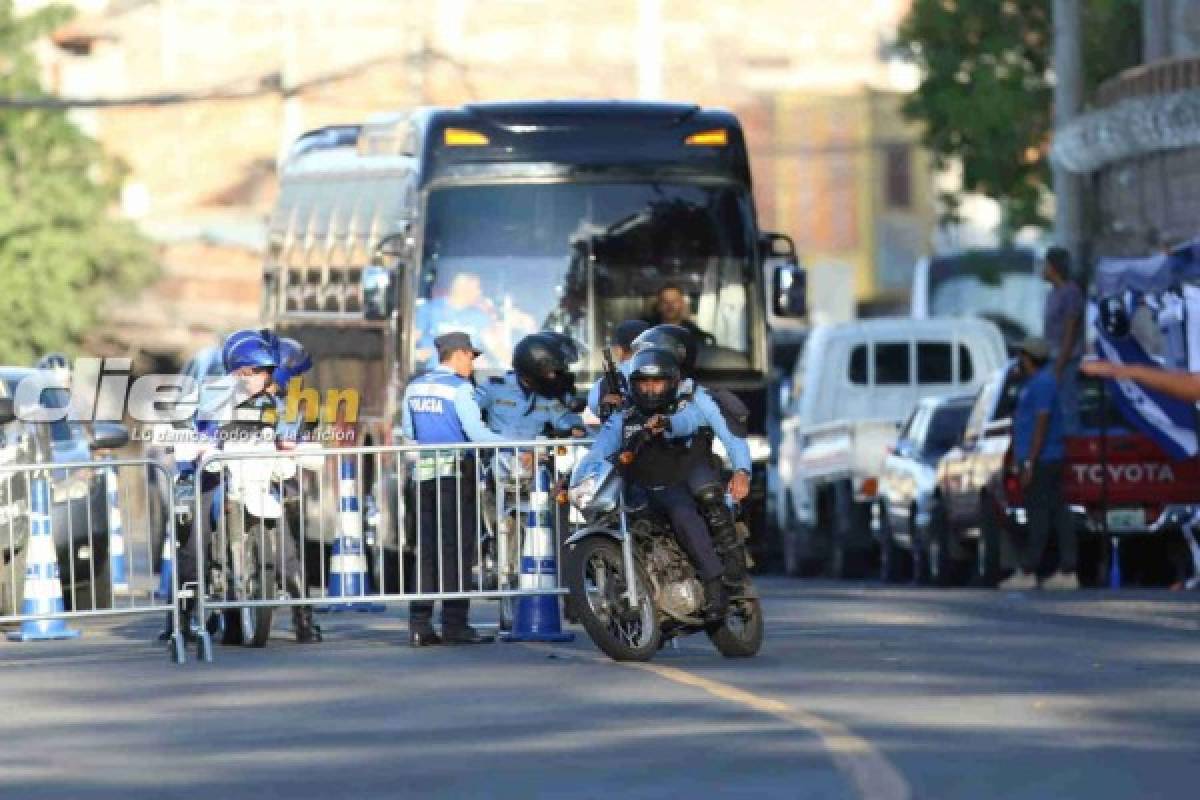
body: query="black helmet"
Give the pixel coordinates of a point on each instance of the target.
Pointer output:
(1114, 319)
(676, 338)
(653, 362)
(567, 346)
(540, 361)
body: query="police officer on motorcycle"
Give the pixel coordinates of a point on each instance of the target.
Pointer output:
(705, 476)
(250, 359)
(440, 407)
(603, 399)
(665, 465)
(538, 394)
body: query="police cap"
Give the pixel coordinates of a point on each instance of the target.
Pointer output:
(454, 341)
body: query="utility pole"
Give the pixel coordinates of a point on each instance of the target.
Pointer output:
(289, 77)
(649, 55)
(1156, 38)
(1068, 100)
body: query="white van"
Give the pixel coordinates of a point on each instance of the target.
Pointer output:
(854, 384)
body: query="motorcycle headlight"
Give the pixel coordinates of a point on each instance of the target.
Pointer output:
(582, 493)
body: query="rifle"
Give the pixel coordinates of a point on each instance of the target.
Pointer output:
(613, 384)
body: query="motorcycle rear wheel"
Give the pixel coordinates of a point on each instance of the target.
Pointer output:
(252, 626)
(740, 634)
(593, 569)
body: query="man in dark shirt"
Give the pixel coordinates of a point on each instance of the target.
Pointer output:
(1039, 450)
(1062, 327)
(671, 306)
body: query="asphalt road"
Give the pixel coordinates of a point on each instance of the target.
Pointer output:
(860, 692)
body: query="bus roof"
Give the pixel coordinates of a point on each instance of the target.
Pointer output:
(490, 138)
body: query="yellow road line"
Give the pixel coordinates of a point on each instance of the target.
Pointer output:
(871, 774)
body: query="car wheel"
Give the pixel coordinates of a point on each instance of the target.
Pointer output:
(987, 551)
(797, 540)
(895, 563)
(920, 561)
(943, 569)
(845, 561)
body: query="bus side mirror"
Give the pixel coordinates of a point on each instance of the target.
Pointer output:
(7, 412)
(789, 291)
(789, 287)
(379, 279)
(379, 292)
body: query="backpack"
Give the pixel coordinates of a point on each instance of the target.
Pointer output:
(735, 412)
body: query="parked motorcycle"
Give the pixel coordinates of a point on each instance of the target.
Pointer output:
(633, 587)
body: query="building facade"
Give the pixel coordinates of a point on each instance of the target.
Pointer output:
(1138, 146)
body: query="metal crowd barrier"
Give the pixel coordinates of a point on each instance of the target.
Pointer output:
(80, 540)
(352, 528)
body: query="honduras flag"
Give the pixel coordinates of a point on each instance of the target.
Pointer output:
(1168, 421)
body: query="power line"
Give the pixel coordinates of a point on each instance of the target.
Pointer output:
(269, 83)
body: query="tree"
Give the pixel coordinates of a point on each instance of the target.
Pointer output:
(63, 254)
(986, 94)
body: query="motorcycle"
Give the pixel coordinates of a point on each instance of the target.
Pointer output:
(632, 586)
(249, 542)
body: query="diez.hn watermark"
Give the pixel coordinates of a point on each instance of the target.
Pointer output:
(102, 390)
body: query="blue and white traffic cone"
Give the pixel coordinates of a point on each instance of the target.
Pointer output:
(166, 571)
(43, 591)
(538, 618)
(118, 571)
(348, 563)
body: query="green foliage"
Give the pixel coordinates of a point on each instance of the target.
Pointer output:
(986, 93)
(62, 252)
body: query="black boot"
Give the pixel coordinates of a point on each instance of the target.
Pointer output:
(464, 634)
(735, 565)
(726, 541)
(307, 631)
(420, 625)
(168, 628)
(455, 628)
(716, 599)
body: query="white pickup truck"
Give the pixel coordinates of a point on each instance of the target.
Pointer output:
(854, 384)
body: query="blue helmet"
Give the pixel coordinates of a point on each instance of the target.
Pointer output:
(248, 348)
(293, 359)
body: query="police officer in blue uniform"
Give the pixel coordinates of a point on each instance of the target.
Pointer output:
(440, 408)
(538, 394)
(665, 465)
(716, 407)
(250, 359)
(602, 400)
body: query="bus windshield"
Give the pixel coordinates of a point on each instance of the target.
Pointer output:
(503, 261)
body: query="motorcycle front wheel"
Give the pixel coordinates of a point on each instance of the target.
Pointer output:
(740, 634)
(595, 578)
